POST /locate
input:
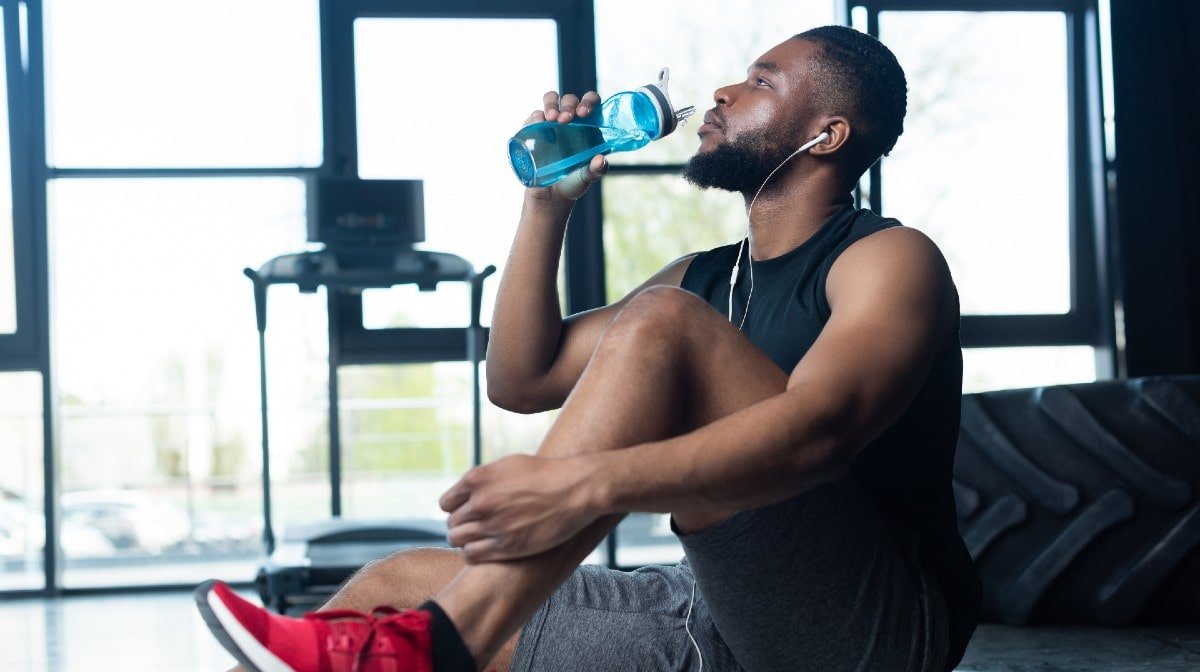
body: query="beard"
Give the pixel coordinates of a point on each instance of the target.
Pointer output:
(741, 165)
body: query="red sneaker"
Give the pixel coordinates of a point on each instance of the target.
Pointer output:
(385, 640)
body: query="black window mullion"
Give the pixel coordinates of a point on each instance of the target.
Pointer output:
(33, 148)
(875, 195)
(1002, 331)
(1097, 298)
(645, 169)
(1068, 6)
(20, 349)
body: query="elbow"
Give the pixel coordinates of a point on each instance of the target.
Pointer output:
(515, 398)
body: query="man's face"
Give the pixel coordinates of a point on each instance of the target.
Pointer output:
(756, 124)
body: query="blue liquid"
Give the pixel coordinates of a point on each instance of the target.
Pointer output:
(544, 153)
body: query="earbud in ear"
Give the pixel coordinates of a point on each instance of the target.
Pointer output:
(823, 137)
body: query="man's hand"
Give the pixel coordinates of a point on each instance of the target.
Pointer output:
(518, 506)
(563, 109)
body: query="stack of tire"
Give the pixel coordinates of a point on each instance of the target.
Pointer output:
(1081, 503)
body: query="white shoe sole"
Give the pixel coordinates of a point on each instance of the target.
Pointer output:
(238, 641)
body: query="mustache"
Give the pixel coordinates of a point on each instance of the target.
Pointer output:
(719, 116)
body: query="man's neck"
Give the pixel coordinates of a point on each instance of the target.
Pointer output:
(783, 218)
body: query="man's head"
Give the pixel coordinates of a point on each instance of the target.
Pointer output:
(831, 79)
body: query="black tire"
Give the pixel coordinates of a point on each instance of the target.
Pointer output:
(1081, 503)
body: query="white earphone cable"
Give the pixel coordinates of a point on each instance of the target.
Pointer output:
(687, 627)
(733, 277)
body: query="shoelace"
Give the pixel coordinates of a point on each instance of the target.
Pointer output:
(379, 618)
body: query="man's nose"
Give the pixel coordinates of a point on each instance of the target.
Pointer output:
(723, 96)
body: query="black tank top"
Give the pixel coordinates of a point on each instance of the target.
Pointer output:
(907, 470)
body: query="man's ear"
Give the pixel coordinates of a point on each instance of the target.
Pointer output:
(839, 132)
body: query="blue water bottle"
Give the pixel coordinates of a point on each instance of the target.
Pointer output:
(544, 153)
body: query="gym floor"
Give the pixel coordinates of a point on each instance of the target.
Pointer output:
(164, 632)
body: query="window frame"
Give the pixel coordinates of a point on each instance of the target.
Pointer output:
(19, 349)
(1089, 321)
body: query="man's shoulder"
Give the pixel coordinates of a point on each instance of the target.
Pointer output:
(899, 265)
(896, 242)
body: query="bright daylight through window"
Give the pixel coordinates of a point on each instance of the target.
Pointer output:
(962, 172)
(156, 359)
(22, 526)
(408, 428)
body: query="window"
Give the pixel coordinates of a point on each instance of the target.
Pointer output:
(177, 138)
(994, 166)
(1000, 218)
(22, 526)
(449, 128)
(1006, 368)
(406, 437)
(408, 428)
(652, 220)
(215, 83)
(157, 374)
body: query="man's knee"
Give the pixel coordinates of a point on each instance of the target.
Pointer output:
(657, 311)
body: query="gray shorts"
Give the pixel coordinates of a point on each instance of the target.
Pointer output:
(813, 583)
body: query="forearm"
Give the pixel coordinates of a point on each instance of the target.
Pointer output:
(763, 454)
(527, 322)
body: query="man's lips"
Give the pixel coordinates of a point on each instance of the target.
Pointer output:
(711, 123)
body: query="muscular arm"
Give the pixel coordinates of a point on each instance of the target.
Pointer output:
(893, 309)
(535, 356)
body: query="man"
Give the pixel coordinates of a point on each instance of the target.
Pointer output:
(799, 427)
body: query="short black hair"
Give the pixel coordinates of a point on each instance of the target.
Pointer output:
(858, 76)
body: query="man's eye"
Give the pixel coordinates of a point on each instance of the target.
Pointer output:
(761, 82)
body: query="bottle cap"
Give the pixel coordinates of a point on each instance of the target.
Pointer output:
(668, 116)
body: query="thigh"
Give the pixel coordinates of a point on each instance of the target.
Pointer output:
(818, 583)
(604, 620)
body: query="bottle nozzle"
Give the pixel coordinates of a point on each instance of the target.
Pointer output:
(668, 116)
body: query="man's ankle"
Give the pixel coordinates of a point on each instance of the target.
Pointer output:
(450, 653)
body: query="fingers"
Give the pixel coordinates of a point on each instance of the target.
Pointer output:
(456, 496)
(466, 533)
(597, 167)
(537, 116)
(461, 515)
(483, 550)
(566, 107)
(573, 186)
(589, 102)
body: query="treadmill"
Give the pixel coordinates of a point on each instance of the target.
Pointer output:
(368, 228)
